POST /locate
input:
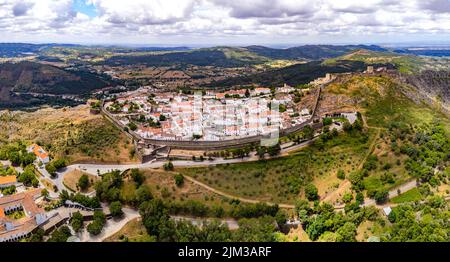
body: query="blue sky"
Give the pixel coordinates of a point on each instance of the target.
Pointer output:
(85, 8)
(225, 22)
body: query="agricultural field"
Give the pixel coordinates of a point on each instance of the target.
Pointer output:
(281, 180)
(162, 185)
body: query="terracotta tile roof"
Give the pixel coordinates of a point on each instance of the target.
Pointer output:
(220, 95)
(7, 180)
(39, 151)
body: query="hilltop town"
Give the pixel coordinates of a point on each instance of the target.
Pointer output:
(213, 116)
(255, 146)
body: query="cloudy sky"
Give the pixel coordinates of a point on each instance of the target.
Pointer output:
(212, 22)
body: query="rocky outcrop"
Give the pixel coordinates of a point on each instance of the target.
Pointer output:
(431, 87)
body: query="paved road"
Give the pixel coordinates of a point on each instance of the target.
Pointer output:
(198, 221)
(96, 169)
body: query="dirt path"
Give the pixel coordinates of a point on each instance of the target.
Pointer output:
(245, 200)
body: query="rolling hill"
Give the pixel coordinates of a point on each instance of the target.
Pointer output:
(292, 75)
(29, 77)
(236, 56)
(309, 52)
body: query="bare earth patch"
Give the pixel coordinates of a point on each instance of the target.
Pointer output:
(133, 231)
(160, 181)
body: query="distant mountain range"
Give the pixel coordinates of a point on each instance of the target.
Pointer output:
(237, 56)
(443, 52)
(8, 50)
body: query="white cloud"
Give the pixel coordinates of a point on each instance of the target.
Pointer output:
(144, 12)
(157, 21)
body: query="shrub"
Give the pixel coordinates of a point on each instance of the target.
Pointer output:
(381, 196)
(311, 192)
(179, 179)
(97, 225)
(341, 174)
(168, 166)
(83, 182)
(116, 209)
(77, 221)
(347, 198)
(137, 176)
(327, 121)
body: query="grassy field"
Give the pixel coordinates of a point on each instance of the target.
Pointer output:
(72, 133)
(367, 229)
(71, 179)
(162, 185)
(133, 231)
(409, 196)
(281, 180)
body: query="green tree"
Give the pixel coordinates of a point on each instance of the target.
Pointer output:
(60, 235)
(281, 217)
(98, 223)
(51, 169)
(311, 192)
(255, 230)
(327, 121)
(168, 166)
(83, 182)
(59, 163)
(38, 235)
(77, 221)
(156, 220)
(132, 126)
(347, 126)
(143, 194)
(341, 174)
(308, 132)
(346, 233)
(381, 196)
(360, 197)
(116, 209)
(137, 176)
(179, 179)
(44, 193)
(347, 198)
